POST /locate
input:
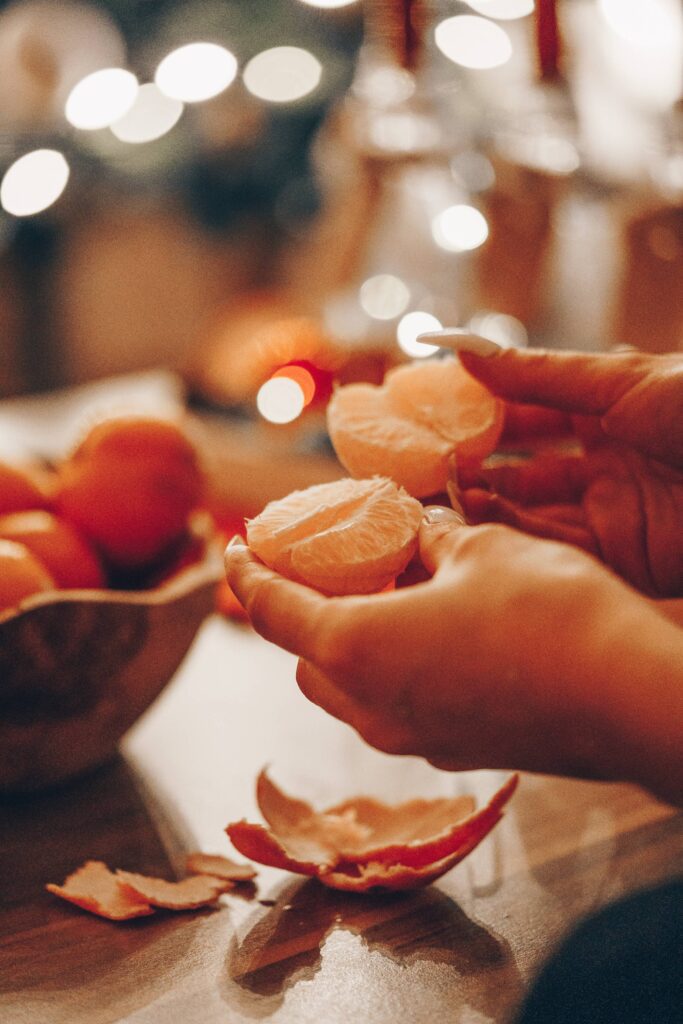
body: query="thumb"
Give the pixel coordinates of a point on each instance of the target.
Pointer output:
(439, 530)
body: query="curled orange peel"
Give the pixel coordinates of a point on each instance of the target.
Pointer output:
(362, 843)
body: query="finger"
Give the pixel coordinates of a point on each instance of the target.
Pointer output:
(570, 381)
(573, 514)
(379, 728)
(284, 612)
(650, 416)
(317, 687)
(527, 422)
(672, 609)
(438, 531)
(482, 507)
(540, 480)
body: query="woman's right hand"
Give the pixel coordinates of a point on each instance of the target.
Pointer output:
(515, 653)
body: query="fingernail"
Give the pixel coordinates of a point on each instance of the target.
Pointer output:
(236, 542)
(459, 341)
(436, 514)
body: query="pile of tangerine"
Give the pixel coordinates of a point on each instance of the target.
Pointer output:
(109, 514)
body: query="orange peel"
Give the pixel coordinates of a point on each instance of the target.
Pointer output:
(217, 866)
(364, 844)
(190, 893)
(123, 895)
(95, 888)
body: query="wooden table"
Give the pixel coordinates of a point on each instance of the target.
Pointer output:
(290, 951)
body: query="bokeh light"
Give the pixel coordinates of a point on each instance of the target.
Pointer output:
(506, 10)
(473, 42)
(506, 330)
(280, 400)
(282, 74)
(385, 85)
(301, 376)
(460, 228)
(384, 296)
(101, 98)
(328, 4)
(196, 72)
(151, 116)
(410, 327)
(34, 182)
(473, 171)
(646, 23)
(403, 132)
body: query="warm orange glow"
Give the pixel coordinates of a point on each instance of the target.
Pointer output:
(301, 376)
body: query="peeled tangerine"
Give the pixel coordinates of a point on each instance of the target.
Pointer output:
(344, 537)
(364, 844)
(408, 427)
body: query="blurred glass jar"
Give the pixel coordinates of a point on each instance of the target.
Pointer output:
(649, 309)
(408, 224)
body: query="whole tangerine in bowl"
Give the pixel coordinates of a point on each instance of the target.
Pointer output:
(23, 488)
(130, 486)
(70, 559)
(21, 575)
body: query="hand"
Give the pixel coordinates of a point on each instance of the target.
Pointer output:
(621, 496)
(516, 653)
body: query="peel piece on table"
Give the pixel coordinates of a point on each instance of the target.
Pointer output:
(97, 889)
(190, 893)
(217, 866)
(363, 843)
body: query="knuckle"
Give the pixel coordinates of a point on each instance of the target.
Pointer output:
(386, 738)
(342, 645)
(257, 605)
(478, 541)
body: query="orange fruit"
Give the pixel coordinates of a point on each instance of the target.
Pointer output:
(130, 487)
(344, 537)
(21, 574)
(409, 426)
(70, 559)
(21, 488)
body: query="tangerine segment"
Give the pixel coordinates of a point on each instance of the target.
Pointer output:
(368, 437)
(344, 537)
(63, 551)
(21, 574)
(442, 395)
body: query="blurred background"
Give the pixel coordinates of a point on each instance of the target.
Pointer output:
(268, 196)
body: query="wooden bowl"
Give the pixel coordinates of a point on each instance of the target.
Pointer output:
(79, 667)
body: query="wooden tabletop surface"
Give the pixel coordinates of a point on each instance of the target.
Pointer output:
(287, 950)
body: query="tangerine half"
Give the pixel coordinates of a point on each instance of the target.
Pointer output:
(344, 537)
(408, 427)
